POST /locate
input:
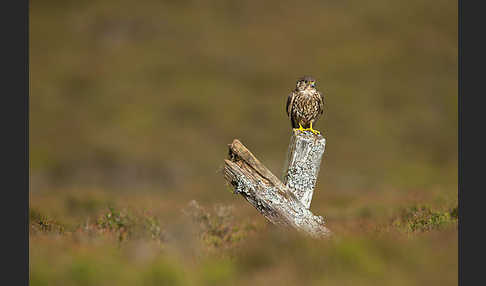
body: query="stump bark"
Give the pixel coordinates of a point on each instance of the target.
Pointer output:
(283, 204)
(302, 166)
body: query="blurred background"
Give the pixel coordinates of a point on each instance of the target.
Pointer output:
(133, 103)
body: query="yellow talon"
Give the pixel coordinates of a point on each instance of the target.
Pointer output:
(308, 129)
(313, 130)
(300, 128)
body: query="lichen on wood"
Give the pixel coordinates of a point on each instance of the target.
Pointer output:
(303, 163)
(264, 191)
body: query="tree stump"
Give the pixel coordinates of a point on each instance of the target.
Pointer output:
(285, 205)
(303, 162)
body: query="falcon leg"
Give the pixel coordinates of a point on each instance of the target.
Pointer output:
(313, 130)
(300, 128)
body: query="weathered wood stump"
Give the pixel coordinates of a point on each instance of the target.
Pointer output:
(303, 162)
(283, 205)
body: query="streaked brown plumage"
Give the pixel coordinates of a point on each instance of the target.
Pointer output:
(305, 104)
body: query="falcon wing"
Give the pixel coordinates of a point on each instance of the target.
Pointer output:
(290, 103)
(321, 103)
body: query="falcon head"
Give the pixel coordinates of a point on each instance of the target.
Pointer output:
(306, 82)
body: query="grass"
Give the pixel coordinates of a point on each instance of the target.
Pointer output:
(220, 244)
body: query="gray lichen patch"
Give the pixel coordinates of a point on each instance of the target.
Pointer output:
(303, 164)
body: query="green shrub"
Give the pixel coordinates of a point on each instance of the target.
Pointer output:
(42, 223)
(128, 225)
(422, 218)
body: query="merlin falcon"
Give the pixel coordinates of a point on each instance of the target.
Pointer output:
(305, 105)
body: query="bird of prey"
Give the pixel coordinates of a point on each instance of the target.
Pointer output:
(305, 105)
